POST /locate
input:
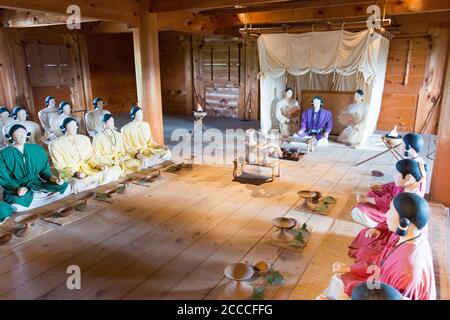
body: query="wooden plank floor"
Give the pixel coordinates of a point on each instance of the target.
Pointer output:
(173, 241)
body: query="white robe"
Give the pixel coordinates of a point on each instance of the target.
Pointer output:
(32, 127)
(287, 129)
(4, 123)
(354, 133)
(94, 122)
(41, 199)
(57, 122)
(45, 117)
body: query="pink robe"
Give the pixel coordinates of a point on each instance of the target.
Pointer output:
(383, 199)
(364, 249)
(409, 269)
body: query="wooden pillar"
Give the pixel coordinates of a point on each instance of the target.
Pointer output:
(148, 78)
(76, 87)
(249, 85)
(197, 65)
(85, 71)
(188, 73)
(440, 187)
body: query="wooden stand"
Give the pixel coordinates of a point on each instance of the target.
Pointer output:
(390, 148)
(275, 166)
(308, 141)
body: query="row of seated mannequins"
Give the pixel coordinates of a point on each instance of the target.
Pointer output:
(393, 248)
(51, 118)
(25, 174)
(318, 122)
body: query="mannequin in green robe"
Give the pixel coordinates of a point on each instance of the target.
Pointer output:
(25, 174)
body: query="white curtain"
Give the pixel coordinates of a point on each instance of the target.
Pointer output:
(331, 60)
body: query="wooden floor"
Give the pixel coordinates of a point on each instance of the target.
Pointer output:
(173, 240)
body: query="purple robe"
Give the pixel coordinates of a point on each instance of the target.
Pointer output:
(316, 123)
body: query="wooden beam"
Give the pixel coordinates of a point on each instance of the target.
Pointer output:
(183, 21)
(441, 172)
(335, 13)
(284, 5)
(148, 79)
(106, 27)
(194, 5)
(26, 19)
(186, 21)
(122, 11)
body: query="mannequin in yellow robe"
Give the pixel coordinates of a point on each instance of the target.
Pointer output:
(108, 150)
(70, 154)
(139, 141)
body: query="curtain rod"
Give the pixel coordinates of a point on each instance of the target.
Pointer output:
(302, 29)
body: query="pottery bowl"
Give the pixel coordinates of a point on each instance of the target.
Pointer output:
(239, 272)
(306, 194)
(284, 223)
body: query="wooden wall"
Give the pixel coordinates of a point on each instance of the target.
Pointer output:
(15, 83)
(225, 73)
(414, 77)
(399, 105)
(175, 52)
(112, 70)
(36, 63)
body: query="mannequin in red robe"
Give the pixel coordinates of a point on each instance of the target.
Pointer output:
(409, 177)
(405, 264)
(371, 241)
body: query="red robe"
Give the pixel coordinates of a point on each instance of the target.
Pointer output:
(366, 250)
(383, 199)
(409, 269)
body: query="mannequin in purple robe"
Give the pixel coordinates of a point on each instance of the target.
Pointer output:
(316, 121)
(406, 263)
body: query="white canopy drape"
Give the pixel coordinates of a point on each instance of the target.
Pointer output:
(330, 60)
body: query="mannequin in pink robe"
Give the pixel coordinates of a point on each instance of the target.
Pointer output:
(409, 177)
(371, 241)
(406, 262)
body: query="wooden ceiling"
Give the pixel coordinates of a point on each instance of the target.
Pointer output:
(220, 16)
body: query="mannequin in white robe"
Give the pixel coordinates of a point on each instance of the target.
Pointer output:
(288, 114)
(20, 116)
(46, 115)
(94, 118)
(355, 119)
(65, 111)
(5, 119)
